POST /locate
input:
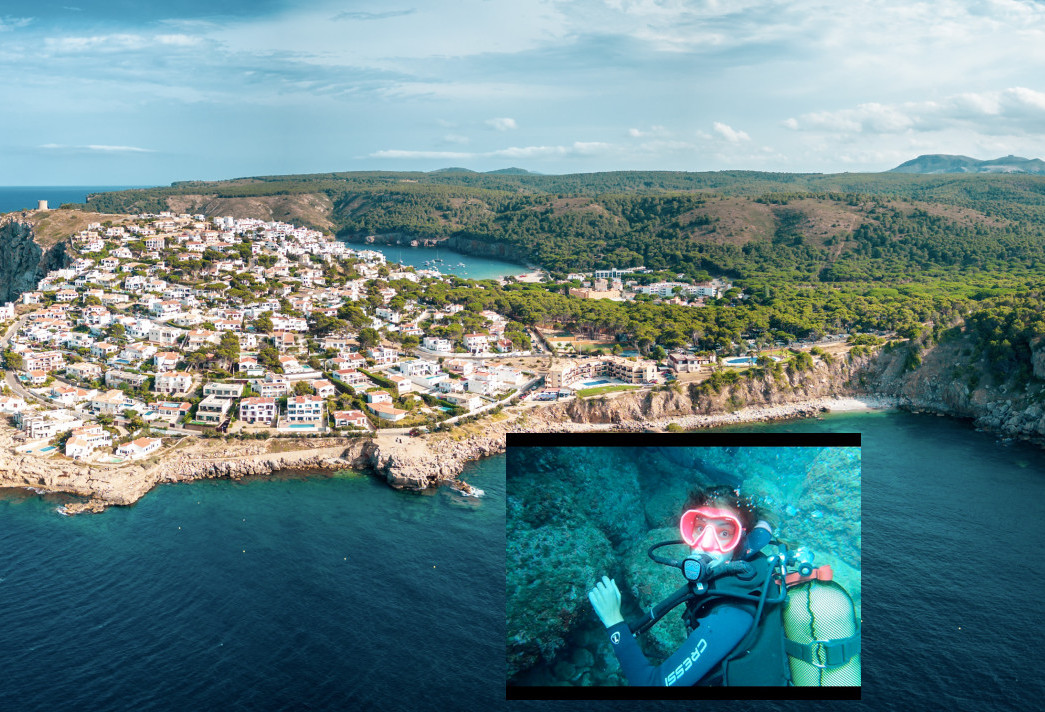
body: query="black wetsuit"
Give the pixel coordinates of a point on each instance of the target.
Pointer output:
(718, 633)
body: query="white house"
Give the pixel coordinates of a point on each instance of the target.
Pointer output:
(172, 382)
(213, 409)
(139, 448)
(384, 356)
(350, 377)
(356, 418)
(476, 343)
(258, 410)
(165, 361)
(387, 411)
(86, 440)
(324, 388)
(305, 409)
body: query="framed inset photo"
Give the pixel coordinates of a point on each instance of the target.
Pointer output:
(695, 566)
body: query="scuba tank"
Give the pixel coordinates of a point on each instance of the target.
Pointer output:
(822, 634)
(804, 626)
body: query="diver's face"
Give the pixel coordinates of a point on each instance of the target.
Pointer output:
(712, 531)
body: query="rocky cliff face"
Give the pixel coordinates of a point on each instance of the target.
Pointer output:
(841, 377)
(22, 261)
(493, 250)
(948, 382)
(464, 245)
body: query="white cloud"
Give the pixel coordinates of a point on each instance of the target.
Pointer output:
(577, 148)
(456, 138)
(101, 148)
(1016, 109)
(14, 23)
(502, 124)
(652, 131)
(118, 42)
(729, 133)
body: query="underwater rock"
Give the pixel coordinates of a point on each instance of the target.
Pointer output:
(704, 466)
(550, 570)
(649, 583)
(564, 485)
(664, 506)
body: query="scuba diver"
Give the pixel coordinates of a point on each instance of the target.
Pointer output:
(739, 633)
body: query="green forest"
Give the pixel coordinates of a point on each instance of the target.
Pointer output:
(814, 254)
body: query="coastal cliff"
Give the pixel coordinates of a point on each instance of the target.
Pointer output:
(416, 463)
(686, 403)
(23, 262)
(464, 245)
(949, 381)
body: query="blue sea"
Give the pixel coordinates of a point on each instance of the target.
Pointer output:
(953, 523)
(455, 263)
(270, 594)
(320, 592)
(27, 197)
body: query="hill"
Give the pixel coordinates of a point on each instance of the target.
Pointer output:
(512, 172)
(742, 224)
(943, 163)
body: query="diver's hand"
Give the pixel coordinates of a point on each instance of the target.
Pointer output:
(605, 599)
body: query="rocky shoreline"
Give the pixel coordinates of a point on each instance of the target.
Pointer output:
(403, 462)
(413, 463)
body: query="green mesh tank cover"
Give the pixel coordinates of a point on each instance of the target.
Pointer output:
(821, 611)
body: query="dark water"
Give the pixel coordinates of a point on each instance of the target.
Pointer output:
(457, 263)
(953, 523)
(321, 593)
(125, 611)
(26, 197)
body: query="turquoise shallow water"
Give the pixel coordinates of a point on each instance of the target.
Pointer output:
(456, 263)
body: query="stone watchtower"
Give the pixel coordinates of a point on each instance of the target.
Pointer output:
(41, 205)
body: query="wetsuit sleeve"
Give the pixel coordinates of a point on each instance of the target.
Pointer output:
(715, 637)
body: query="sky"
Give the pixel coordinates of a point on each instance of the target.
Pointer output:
(124, 92)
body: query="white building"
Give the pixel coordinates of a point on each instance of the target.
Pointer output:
(305, 409)
(172, 382)
(258, 410)
(139, 448)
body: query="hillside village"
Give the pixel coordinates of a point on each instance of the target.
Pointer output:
(168, 325)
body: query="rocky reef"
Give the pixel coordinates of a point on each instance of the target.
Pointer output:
(23, 262)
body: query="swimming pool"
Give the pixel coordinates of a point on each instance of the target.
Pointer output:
(49, 448)
(746, 360)
(299, 426)
(600, 382)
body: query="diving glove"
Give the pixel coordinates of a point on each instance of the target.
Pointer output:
(605, 599)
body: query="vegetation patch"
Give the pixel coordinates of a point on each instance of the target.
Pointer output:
(599, 390)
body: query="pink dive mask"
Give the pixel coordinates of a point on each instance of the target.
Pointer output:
(711, 529)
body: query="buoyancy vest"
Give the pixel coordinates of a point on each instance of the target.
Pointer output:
(759, 659)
